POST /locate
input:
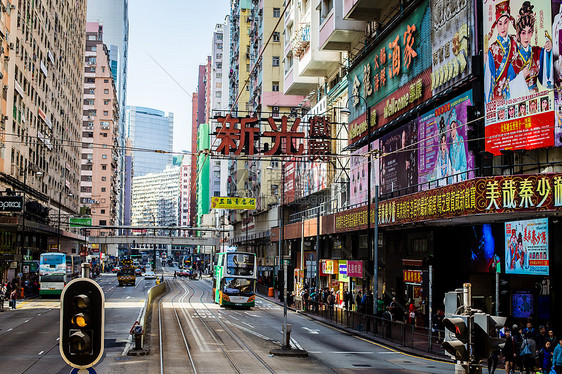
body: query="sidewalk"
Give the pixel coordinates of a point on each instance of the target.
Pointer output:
(348, 319)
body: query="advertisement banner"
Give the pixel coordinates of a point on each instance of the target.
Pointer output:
(500, 194)
(413, 276)
(557, 51)
(451, 42)
(342, 274)
(358, 174)
(518, 75)
(443, 155)
(526, 247)
(289, 192)
(399, 164)
(218, 202)
(310, 177)
(402, 57)
(355, 269)
(11, 203)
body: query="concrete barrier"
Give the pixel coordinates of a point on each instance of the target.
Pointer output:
(143, 315)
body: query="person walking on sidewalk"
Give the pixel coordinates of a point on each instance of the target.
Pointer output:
(528, 349)
(14, 295)
(557, 358)
(509, 351)
(546, 354)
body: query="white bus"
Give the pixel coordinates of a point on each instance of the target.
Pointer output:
(56, 270)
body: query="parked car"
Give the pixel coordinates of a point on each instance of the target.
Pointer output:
(116, 269)
(184, 273)
(138, 272)
(149, 275)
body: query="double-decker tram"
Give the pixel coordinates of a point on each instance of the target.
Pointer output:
(234, 281)
(56, 270)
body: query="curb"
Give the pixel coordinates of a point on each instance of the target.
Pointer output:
(363, 335)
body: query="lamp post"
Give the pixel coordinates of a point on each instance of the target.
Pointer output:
(347, 112)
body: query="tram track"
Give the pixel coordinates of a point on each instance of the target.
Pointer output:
(235, 337)
(181, 331)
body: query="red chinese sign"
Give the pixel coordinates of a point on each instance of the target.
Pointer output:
(238, 135)
(413, 276)
(355, 269)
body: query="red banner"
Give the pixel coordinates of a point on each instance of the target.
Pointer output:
(413, 276)
(521, 133)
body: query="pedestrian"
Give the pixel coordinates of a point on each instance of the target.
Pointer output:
(347, 299)
(518, 363)
(331, 300)
(551, 338)
(528, 350)
(557, 358)
(546, 354)
(437, 321)
(529, 330)
(411, 312)
(509, 351)
(14, 296)
(358, 298)
(393, 308)
(369, 302)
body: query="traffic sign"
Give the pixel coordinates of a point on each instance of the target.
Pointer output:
(286, 262)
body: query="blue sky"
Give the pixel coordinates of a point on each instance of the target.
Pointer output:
(177, 34)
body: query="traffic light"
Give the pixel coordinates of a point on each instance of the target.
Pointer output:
(82, 318)
(483, 343)
(457, 336)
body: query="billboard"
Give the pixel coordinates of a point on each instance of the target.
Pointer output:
(557, 51)
(518, 75)
(399, 163)
(451, 42)
(443, 155)
(358, 174)
(224, 202)
(526, 247)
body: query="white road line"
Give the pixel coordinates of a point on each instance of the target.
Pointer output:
(196, 333)
(251, 315)
(58, 339)
(40, 353)
(234, 318)
(295, 344)
(26, 321)
(312, 331)
(9, 330)
(247, 324)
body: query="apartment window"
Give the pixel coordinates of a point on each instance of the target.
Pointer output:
(103, 69)
(219, 56)
(103, 179)
(276, 12)
(218, 94)
(274, 189)
(218, 75)
(106, 102)
(276, 36)
(217, 194)
(275, 111)
(275, 164)
(104, 167)
(275, 61)
(219, 65)
(104, 134)
(275, 86)
(247, 67)
(106, 81)
(102, 211)
(103, 189)
(106, 91)
(104, 157)
(103, 222)
(105, 113)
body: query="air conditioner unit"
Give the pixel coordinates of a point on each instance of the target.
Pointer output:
(7, 58)
(12, 45)
(12, 7)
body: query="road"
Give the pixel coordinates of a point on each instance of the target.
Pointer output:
(239, 341)
(29, 335)
(219, 340)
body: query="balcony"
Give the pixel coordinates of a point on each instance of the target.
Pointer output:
(366, 10)
(312, 62)
(298, 85)
(338, 34)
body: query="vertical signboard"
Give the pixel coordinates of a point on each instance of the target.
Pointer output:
(518, 75)
(556, 52)
(451, 42)
(443, 155)
(399, 165)
(526, 247)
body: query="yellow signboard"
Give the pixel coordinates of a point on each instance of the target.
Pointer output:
(218, 202)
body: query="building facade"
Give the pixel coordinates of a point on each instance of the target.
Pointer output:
(150, 130)
(99, 162)
(42, 77)
(114, 16)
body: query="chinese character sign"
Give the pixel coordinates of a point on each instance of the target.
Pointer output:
(233, 203)
(398, 60)
(355, 269)
(557, 51)
(526, 247)
(518, 75)
(451, 41)
(443, 155)
(412, 276)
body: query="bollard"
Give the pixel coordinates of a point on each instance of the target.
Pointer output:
(287, 335)
(137, 331)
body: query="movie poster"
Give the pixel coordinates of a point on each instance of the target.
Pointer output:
(518, 75)
(526, 247)
(358, 174)
(443, 156)
(399, 162)
(557, 51)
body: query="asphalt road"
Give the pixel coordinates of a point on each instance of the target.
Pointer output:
(29, 335)
(235, 340)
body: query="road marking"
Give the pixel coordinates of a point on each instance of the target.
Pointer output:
(9, 330)
(251, 315)
(312, 331)
(234, 318)
(40, 353)
(295, 344)
(26, 321)
(247, 324)
(58, 339)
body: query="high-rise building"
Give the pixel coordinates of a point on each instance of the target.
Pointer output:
(98, 182)
(156, 198)
(40, 124)
(114, 16)
(150, 130)
(203, 171)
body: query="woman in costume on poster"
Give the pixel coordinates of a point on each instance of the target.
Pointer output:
(457, 151)
(500, 55)
(443, 163)
(532, 63)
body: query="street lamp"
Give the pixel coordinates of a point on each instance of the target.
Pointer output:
(346, 112)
